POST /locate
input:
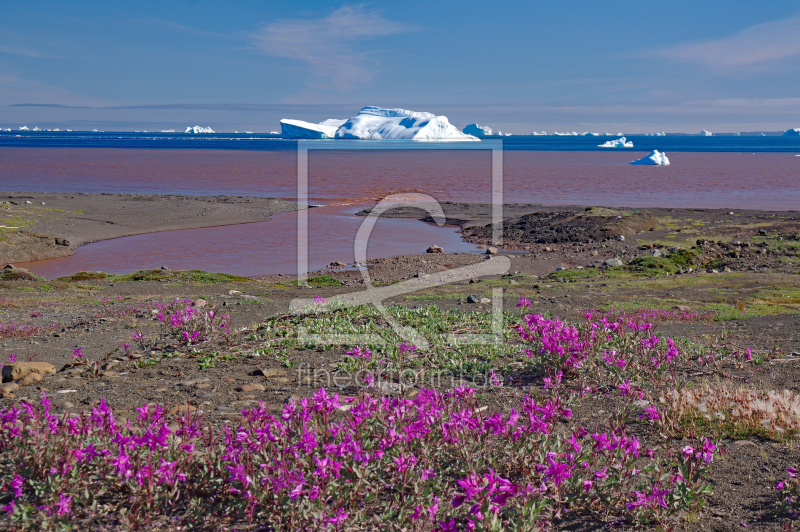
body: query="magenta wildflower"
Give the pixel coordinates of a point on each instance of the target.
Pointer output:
(12, 357)
(626, 388)
(64, 504)
(651, 413)
(524, 302)
(338, 519)
(76, 353)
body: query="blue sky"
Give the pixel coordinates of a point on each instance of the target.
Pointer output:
(632, 66)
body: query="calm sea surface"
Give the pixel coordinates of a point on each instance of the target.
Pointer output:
(552, 172)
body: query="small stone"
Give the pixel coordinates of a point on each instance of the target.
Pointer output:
(656, 253)
(614, 261)
(560, 269)
(270, 372)
(253, 387)
(548, 249)
(234, 292)
(491, 251)
(621, 238)
(472, 298)
(337, 265)
(485, 300)
(67, 404)
(199, 303)
(434, 249)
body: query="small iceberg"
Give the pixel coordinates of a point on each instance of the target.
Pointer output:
(656, 158)
(621, 142)
(705, 133)
(535, 134)
(199, 129)
(24, 128)
(477, 130)
(795, 132)
(661, 134)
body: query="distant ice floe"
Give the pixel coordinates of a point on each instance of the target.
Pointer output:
(621, 142)
(656, 158)
(7, 129)
(705, 133)
(477, 130)
(661, 134)
(24, 128)
(795, 132)
(199, 129)
(535, 134)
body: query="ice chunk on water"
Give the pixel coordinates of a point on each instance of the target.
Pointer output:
(621, 142)
(655, 158)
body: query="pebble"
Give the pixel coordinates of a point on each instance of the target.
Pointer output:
(614, 261)
(491, 251)
(254, 387)
(472, 298)
(485, 300)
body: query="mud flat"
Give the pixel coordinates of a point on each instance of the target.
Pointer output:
(37, 226)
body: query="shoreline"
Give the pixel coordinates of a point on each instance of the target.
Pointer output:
(40, 226)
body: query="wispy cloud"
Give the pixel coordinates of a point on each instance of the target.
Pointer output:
(330, 45)
(24, 52)
(755, 48)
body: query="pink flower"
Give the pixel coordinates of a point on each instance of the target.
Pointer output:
(76, 353)
(12, 357)
(626, 388)
(688, 451)
(63, 505)
(338, 519)
(524, 302)
(651, 413)
(319, 300)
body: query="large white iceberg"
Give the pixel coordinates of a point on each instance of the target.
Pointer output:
(705, 133)
(478, 131)
(298, 129)
(198, 129)
(390, 124)
(655, 158)
(621, 142)
(792, 132)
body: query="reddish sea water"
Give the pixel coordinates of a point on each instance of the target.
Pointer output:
(694, 179)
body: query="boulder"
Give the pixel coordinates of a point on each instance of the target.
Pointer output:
(8, 389)
(614, 261)
(29, 379)
(434, 249)
(18, 370)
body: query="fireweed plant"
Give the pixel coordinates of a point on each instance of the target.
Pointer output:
(440, 461)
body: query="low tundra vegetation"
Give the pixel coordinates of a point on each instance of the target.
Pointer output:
(438, 459)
